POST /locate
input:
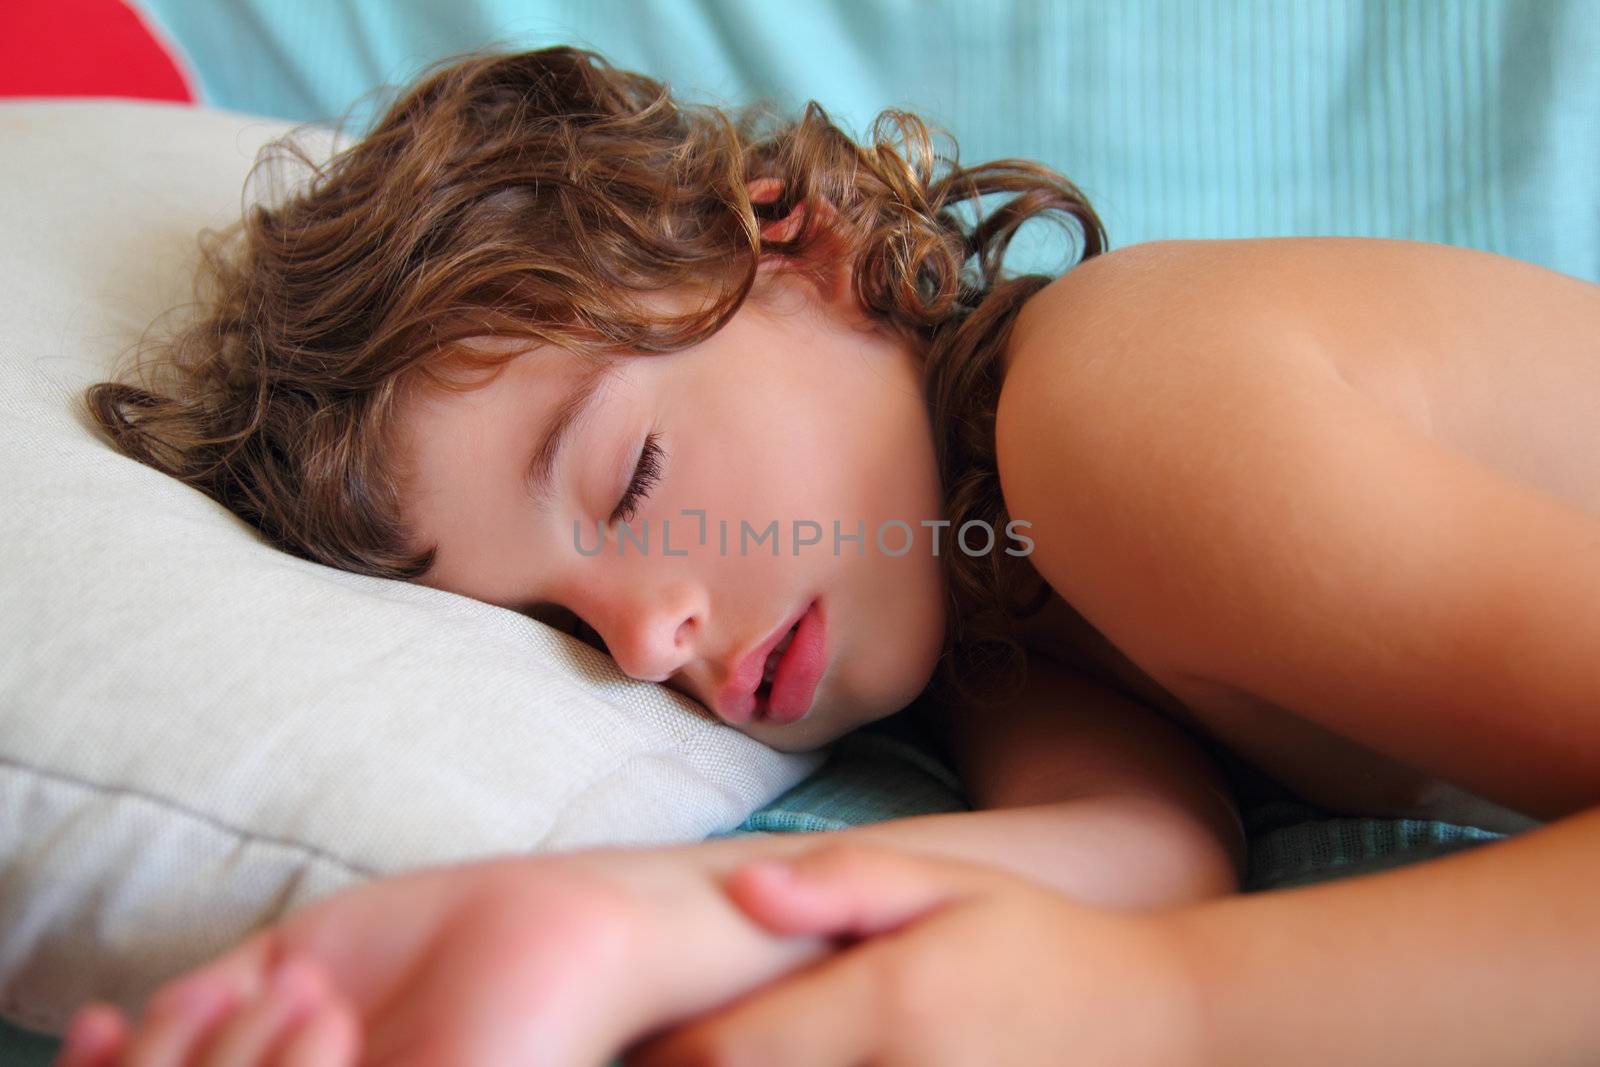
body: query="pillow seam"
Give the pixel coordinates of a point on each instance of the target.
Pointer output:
(211, 821)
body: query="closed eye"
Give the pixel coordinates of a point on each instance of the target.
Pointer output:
(646, 473)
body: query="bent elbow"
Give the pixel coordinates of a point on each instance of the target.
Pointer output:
(1187, 858)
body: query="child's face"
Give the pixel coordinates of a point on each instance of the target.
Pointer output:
(792, 416)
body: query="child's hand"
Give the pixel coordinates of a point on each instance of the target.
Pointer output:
(465, 965)
(558, 960)
(960, 964)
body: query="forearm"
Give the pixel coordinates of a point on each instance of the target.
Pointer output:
(1488, 957)
(1118, 850)
(694, 949)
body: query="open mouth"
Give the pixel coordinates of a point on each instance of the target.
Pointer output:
(790, 675)
(764, 687)
(794, 669)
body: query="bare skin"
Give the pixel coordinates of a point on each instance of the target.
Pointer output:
(1493, 365)
(1495, 361)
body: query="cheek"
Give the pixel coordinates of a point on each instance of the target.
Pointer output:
(786, 472)
(881, 674)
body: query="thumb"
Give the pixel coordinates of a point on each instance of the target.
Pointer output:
(850, 891)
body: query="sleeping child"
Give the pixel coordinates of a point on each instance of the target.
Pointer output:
(757, 410)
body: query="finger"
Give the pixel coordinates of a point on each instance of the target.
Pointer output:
(94, 1037)
(851, 890)
(827, 1015)
(184, 1011)
(175, 1019)
(330, 1037)
(295, 989)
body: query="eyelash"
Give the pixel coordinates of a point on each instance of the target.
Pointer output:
(645, 476)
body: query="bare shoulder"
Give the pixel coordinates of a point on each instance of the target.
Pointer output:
(1349, 292)
(1488, 356)
(1213, 491)
(1152, 286)
(1104, 369)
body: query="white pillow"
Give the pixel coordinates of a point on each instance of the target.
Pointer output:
(199, 732)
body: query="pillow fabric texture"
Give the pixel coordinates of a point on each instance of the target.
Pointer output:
(199, 732)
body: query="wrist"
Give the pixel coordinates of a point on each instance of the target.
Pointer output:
(689, 947)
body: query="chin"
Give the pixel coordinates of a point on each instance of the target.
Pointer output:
(784, 739)
(824, 726)
(807, 735)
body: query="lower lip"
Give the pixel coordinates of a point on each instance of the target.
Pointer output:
(794, 684)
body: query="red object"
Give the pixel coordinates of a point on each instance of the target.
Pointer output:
(86, 48)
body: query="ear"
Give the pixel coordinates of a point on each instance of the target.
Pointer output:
(766, 191)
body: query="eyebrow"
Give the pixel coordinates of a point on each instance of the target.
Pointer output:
(568, 416)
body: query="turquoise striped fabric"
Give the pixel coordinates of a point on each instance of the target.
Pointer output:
(1467, 122)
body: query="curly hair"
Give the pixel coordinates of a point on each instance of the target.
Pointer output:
(539, 197)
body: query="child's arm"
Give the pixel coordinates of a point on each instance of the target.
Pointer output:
(1080, 789)
(566, 959)
(1488, 957)
(1120, 851)
(1067, 737)
(1087, 793)
(1482, 958)
(575, 955)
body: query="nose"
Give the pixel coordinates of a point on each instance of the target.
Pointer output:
(652, 637)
